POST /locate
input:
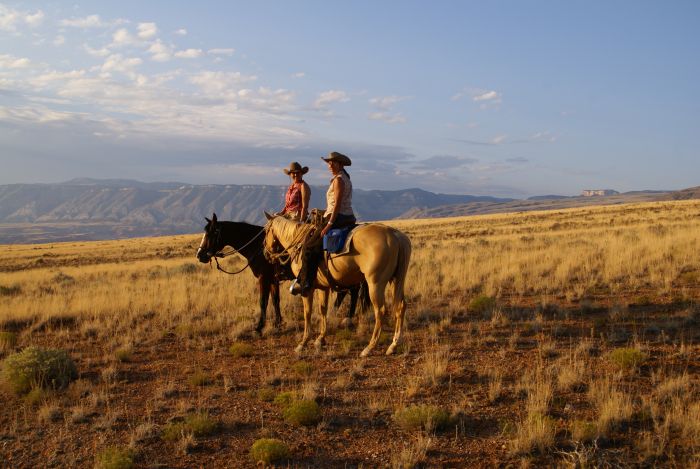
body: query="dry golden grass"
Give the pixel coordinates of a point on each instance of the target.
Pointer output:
(512, 318)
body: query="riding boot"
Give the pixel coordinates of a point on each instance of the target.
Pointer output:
(307, 273)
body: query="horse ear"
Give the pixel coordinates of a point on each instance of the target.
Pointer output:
(268, 216)
(213, 218)
(208, 220)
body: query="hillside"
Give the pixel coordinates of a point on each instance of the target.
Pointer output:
(536, 203)
(90, 209)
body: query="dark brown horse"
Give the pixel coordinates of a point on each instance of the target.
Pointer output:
(248, 241)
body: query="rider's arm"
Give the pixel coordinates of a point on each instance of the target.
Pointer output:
(338, 186)
(305, 196)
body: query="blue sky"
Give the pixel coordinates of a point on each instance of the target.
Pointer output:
(489, 98)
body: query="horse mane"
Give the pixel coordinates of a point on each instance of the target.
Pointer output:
(292, 232)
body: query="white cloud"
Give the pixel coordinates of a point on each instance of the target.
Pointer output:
(118, 63)
(181, 32)
(35, 19)
(122, 37)
(220, 51)
(59, 40)
(386, 117)
(91, 21)
(386, 102)
(160, 52)
(54, 76)
(298, 75)
(188, 53)
(329, 97)
(497, 140)
(487, 96)
(216, 83)
(147, 30)
(11, 18)
(104, 52)
(10, 61)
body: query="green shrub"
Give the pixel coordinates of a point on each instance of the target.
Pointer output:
(200, 378)
(269, 450)
(427, 417)
(303, 368)
(267, 394)
(7, 340)
(482, 304)
(583, 431)
(37, 396)
(197, 424)
(285, 399)
(201, 424)
(241, 349)
(114, 458)
(627, 358)
(37, 367)
(303, 412)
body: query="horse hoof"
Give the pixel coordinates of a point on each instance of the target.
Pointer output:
(299, 349)
(391, 349)
(365, 352)
(346, 323)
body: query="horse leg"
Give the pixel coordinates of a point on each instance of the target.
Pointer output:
(308, 302)
(398, 326)
(323, 310)
(275, 291)
(354, 295)
(376, 294)
(264, 289)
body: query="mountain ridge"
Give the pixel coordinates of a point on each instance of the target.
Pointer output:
(118, 207)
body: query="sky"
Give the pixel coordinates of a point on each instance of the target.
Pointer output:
(500, 98)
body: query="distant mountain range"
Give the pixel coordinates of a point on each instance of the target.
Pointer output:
(93, 209)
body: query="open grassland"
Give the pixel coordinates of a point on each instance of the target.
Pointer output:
(566, 338)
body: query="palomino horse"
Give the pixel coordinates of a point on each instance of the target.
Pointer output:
(379, 254)
(247, 240)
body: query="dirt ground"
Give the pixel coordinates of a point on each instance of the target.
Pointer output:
(131, 400)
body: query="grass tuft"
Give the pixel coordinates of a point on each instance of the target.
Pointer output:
(304, 412)
(241, 350)
(114, 458)
(426, 417)
(269, 450)
(627, 358)
(8, 340)
(482, 304)
(197, 424)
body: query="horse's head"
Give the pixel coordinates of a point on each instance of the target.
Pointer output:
(211, 240)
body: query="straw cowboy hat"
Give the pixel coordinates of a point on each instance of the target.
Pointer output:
(339, 157)
(295, 167)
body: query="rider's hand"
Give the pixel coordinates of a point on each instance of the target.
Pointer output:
(325, 230)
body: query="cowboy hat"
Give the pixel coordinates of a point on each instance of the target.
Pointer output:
(295, 167)
(339, 157)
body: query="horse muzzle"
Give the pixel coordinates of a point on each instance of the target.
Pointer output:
(203, 256)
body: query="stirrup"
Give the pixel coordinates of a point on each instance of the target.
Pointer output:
(295, 288)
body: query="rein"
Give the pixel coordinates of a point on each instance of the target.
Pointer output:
(225, 253)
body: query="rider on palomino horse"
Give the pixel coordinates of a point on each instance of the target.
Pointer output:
(338, 214)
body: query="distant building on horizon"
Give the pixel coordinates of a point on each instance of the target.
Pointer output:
(598, 192)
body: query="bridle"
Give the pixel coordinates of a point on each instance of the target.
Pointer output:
(227, 251)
